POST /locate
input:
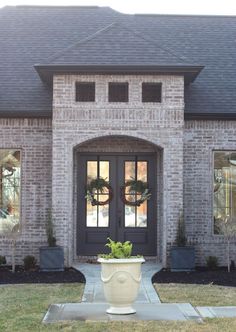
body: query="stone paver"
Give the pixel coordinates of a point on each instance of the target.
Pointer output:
(95, 312)
(220, 312)
(93, 291)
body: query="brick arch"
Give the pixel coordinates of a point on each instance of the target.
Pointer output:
(99, 138)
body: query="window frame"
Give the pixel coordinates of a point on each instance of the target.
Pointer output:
(92, 83)
(125, 84)
(159, 84)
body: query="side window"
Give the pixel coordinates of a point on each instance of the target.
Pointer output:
(224, 187)
(151, 92)
(10, 189)
(118, 92)
(85, 91)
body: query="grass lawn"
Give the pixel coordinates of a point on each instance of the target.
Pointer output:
(197, 295)
(22, 308)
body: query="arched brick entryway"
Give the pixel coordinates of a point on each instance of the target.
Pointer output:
(119, 155)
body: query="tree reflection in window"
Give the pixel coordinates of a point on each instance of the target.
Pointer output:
(98, 215)
(10, 175)
(224, 187)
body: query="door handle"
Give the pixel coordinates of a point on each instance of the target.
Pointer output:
(119, 221)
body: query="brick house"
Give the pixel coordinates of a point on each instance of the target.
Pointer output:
(88, 92)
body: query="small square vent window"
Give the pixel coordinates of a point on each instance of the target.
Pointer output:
(85, 91)
(118, 92)
(151, 92)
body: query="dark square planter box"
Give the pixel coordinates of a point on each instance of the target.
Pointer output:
(182, 259)
(51, 259)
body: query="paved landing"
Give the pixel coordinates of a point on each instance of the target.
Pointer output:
(97, 312)
(93, 292)
(93, 306)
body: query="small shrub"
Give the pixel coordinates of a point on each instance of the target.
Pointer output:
(49, 231)
(181, 239)
(2, 260)
(29, 262)
(212, 262)
(232, 265)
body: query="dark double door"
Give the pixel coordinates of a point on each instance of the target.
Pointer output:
(117, 220)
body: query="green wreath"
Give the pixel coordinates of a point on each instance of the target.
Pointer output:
(98, 185)
(135, 187)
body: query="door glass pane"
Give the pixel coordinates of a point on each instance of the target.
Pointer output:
(129, 216)
(91, 170)
(103, 216)
(142, 215)
(104, 170)
(142, 171)
(91, 215)
(98, 215)
(135, 216)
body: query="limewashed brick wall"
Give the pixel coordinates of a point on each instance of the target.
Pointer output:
(34, 138)
(76, 123)
(184, 150)
(201, 138)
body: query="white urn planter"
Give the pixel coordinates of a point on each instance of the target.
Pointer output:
(121, 280)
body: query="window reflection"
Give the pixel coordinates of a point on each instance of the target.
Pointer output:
(130, 216)
(224, 187)
(98, 216)
(142, 215)
(10, 176)
(135, 216)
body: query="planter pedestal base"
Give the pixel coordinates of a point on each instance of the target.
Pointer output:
(121, 310)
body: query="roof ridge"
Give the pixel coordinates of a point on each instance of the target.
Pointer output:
(148, 39)
(83, 40)
(187, 15)
(56, 6)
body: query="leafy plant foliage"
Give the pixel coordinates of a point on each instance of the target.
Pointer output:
(118, 249)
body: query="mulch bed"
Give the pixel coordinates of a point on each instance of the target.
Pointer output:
(27, 277)
(201, 276)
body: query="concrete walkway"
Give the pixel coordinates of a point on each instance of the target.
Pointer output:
(93, 291)
(148, 305)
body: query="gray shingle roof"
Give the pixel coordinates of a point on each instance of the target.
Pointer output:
(117, 45)
(208, 40)
(31, 35)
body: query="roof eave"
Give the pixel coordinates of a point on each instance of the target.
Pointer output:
(190, 72)
(209, 116)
